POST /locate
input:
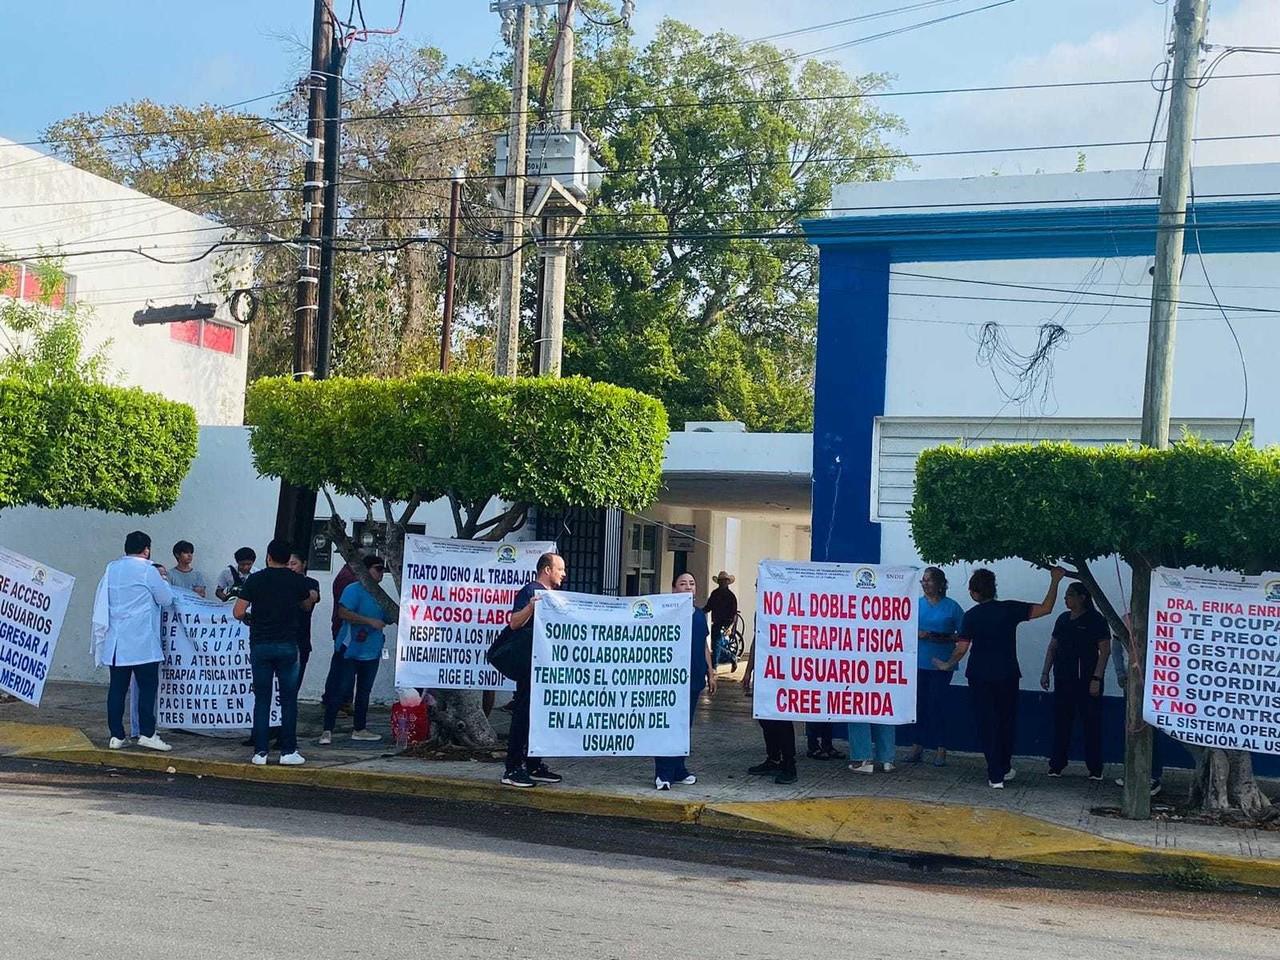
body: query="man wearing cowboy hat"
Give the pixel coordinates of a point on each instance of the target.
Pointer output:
(722, 608)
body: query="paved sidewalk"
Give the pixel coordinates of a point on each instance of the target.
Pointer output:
(916, 808)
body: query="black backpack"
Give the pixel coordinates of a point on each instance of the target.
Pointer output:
(511, 653)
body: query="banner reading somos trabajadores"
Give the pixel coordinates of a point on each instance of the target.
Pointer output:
(835, 642)
(33, 603)
(1213, 659)
(610, 675)
(457, 597)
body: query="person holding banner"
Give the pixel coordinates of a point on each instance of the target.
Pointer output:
(361, 641)
(126, 637)
(270, 602)
(1078, 655)
(939, 619)
(702, 675)
(779, 737)
(991, 628)
(521, 769)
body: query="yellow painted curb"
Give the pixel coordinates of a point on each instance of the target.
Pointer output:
(975, 833)
(553, 799)
(31, 739)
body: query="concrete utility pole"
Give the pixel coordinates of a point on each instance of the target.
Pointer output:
(450, 274)
(296, 506)
(555, 250)
(1189, 18)
(513, 208)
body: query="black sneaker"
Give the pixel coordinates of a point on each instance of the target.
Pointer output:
(541, 774)
(786, 776)
(769, 766)
(517, 778)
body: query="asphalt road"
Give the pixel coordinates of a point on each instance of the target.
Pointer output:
(137, 866)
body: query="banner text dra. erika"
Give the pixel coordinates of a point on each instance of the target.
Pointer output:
(835, 642)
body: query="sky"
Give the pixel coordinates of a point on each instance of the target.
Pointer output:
(86, 56)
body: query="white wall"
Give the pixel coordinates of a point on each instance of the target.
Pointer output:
(50, 207)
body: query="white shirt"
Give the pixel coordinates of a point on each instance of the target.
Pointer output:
(126, 613)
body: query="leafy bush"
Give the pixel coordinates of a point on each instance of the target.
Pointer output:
(76, 444)
(554, 443)
(1195, 504)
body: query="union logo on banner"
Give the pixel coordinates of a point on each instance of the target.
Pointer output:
(864, 578)
(642, 609)
(1271, 590)
(507, 554)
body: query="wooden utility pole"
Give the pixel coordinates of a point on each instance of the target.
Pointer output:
(508, 340)
(450, 273)
(296, 505)
(1189, 18)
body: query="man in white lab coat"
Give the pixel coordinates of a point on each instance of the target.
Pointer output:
(126, 637)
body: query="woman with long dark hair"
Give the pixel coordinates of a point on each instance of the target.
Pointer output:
(1078, 655)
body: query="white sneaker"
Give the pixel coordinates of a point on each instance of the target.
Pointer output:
(366, 736)
(154, 742)
(259, 760)
(690, 780)
(660, 784)
(998, 785)
(294, 759)
(326, 738)
(1011, 775)
(888, 768)
(115, 743)
(867, 767)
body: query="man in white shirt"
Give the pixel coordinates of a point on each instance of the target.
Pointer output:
(126, 637)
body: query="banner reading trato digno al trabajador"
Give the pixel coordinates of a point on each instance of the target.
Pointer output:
(835, 642)
(1213, 659)
(610, 675)
(33, 603)
(458, 596)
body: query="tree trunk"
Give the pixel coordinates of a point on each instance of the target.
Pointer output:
(1224, 786)
(460, 720)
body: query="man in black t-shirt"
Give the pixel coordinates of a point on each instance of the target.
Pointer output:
(990, 632)
(271, 601)
(522, 770)
(1078, 654)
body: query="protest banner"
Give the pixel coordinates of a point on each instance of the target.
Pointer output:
(835, 642)
(610, 675)
(206, 682)
(1213, 659)
(33, 602)
(457, 598)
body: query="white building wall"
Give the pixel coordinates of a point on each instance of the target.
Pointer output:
(47, 207)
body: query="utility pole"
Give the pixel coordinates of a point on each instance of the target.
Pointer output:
(1189, 18)
(508, 340)
(296, 505)
(555, 250)
(329, 221)
(450, 273)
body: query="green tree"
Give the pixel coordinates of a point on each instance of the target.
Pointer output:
(492, 447)
(68, 438)
(710, 142)
(1196, 504)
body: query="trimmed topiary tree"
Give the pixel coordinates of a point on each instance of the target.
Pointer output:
(493, 447)
(1195, 504)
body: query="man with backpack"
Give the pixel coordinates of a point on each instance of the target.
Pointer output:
(231, 579)
(521, 769)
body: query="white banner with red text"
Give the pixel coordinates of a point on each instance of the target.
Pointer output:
(33, 603)
(457, 597)
(610, 675)
(835, 642)
(206, 682)
(1213, 659)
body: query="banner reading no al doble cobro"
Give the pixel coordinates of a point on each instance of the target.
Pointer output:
(456, 597)
(1213, 659)
(835, 642)
(610, 675)
(33, 603)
